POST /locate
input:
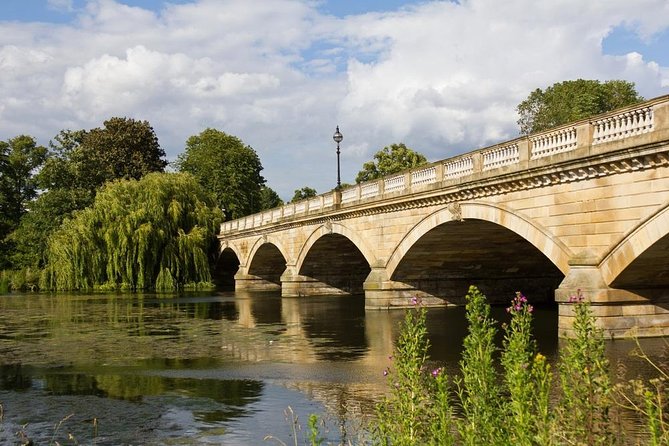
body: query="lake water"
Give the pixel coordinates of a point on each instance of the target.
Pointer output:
(217, 368)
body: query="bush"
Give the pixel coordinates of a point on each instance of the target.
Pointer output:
(504, 402)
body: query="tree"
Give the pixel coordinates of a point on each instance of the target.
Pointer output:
(46, 214)
(124, 148)
(77, 165)
(154, 233)
(392, 159)
(19, 157)
(226, 168)
(269, 199)
(569, 101)
(304, 193)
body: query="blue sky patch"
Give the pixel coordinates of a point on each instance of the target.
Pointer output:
(622, 40)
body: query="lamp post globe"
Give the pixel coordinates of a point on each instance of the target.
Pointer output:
(338, 137)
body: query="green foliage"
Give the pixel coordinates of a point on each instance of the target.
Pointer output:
(269, 199)
(155, 233)
(586, 400)
(77, 165)
(67, 166)
(123, 149)
(417, 411)
(19, 157)
(26, 279)
(507, 408)
(226, 168)
(46, 215)
(391, 159)
(315, 438)
(527, 377)
(303, 194)
(569, 101)
(478, 389)
(649, 399)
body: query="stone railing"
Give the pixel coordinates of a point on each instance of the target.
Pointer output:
(501, 156)
(392, 184)
(459, 167)
(558, 141)
(621, 125)
(544, 148)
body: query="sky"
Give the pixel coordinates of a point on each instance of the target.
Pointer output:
(443, 77)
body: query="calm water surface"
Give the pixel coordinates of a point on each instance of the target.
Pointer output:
(212, 368)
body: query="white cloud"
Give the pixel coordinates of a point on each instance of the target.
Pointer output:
(61, 5)
(442, 77)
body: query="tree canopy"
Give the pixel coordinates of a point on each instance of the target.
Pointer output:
(304, 193)
(269, 198)
(391, 159)
(227, 168)
(123, 148)
(568, 101)
(19, 157)
(153, 233)
(77, 165)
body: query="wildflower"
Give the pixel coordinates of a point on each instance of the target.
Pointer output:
(416, 300)
(385, 372)
(436, 372)
(576, 298)
(518, 303)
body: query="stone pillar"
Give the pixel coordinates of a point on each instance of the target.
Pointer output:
(296, 285)
(382, 293)
(620, 313)
(661, 116)
(249, 282)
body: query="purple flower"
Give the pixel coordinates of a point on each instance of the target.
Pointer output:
(436, 372)
(576, 298)
(385, 372)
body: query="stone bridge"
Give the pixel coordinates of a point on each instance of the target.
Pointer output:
(582, 208)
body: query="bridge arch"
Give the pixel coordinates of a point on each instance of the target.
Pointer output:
(333, 260)
(232, 246)
(534, 233)
(335, 228)
(226, 266)
(264, 240)
(651, 234)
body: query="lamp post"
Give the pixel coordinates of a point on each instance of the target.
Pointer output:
(338, 137)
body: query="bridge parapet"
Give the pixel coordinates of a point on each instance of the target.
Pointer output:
(633, 126)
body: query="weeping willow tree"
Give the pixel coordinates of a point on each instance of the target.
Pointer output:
(152, 233)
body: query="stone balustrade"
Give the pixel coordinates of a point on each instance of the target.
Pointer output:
(501, 156)
(394, 183)
(621, 125)
(605, 132)
(459, 167)
(558, 141)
